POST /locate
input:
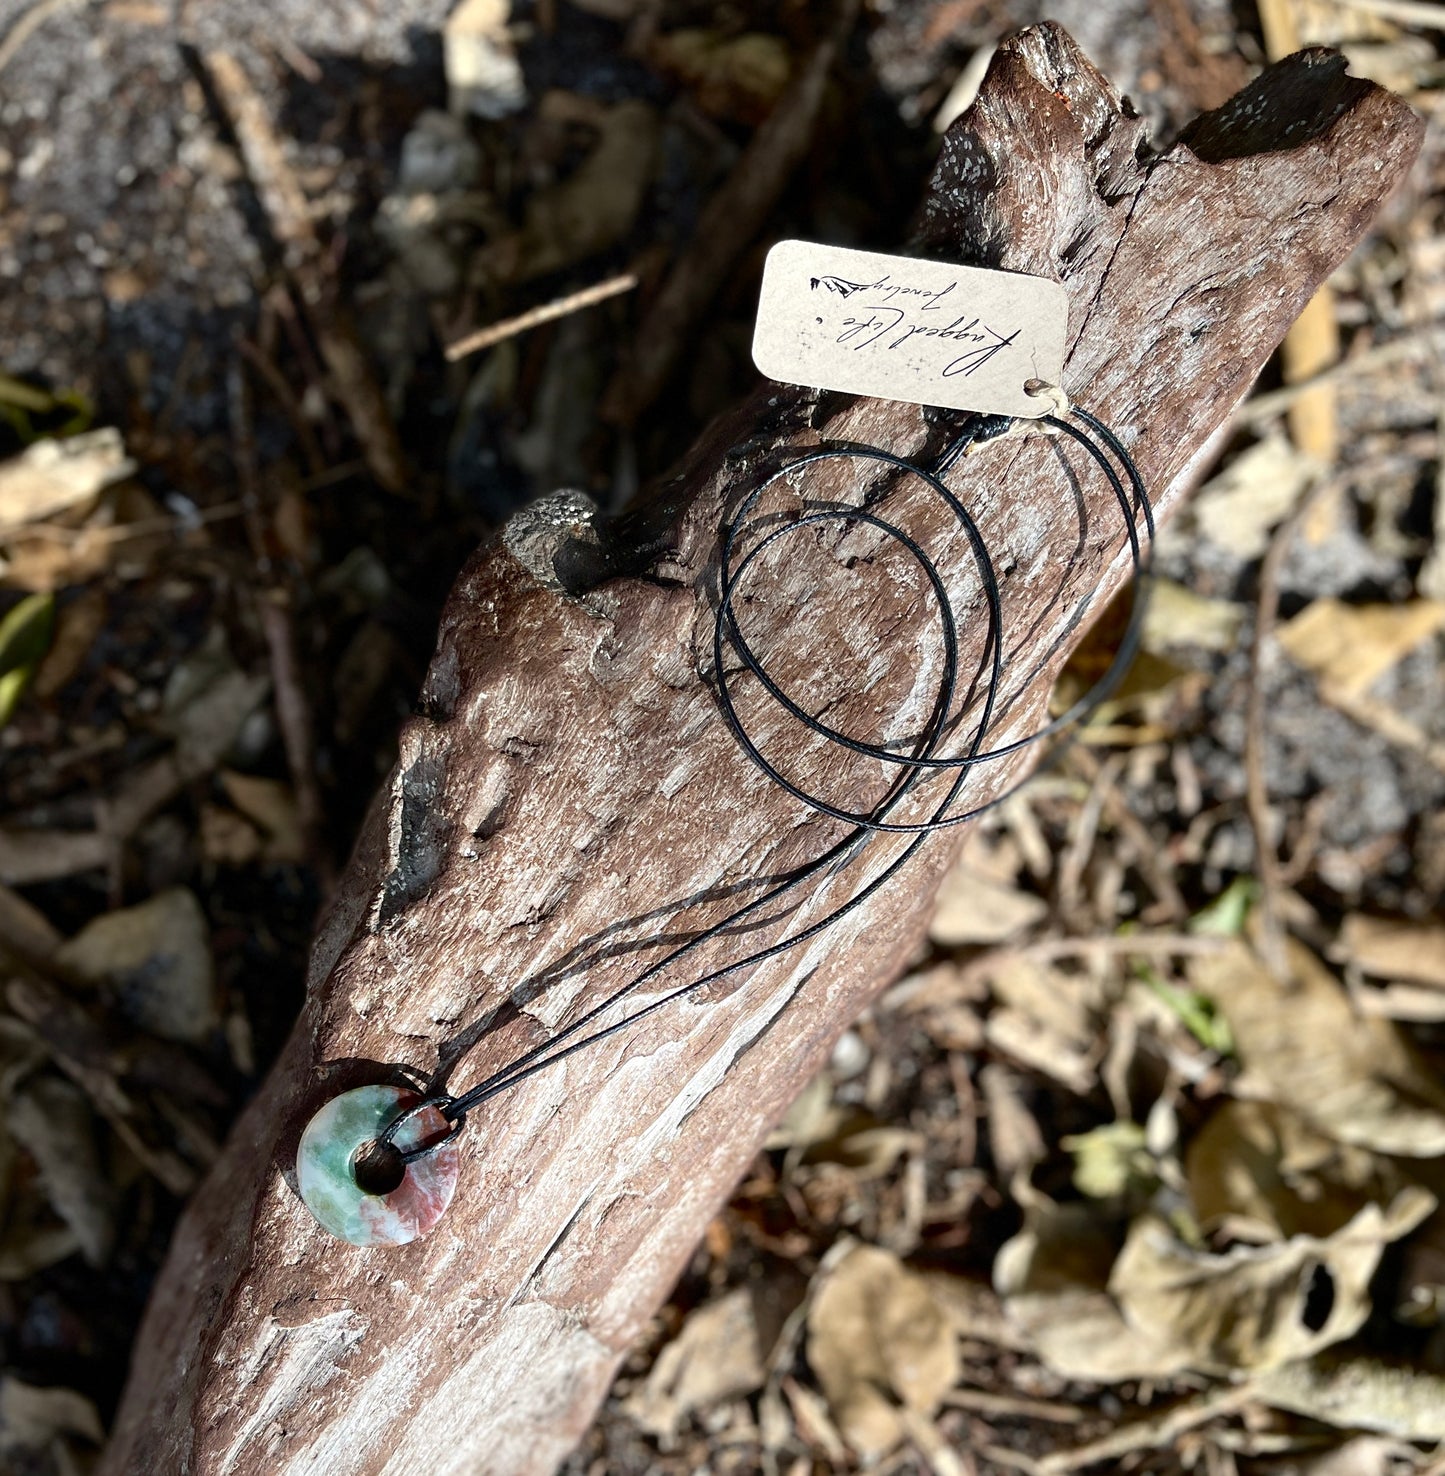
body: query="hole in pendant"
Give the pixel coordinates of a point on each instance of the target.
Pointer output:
(378, 1167)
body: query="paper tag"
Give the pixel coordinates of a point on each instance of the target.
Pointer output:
(905, 329)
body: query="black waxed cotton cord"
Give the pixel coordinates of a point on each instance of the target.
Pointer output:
(920, 763)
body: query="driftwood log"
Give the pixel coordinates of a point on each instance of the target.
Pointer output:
(571, 782)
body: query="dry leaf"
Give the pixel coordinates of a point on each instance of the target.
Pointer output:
(810, 1413)
(155, 959)
(107, 540)
(205, 712)
(716, 1357)
(1014, 1136)
(1365, 1455)
(78, 622)
(1407, 951)
(811, 1118)
(876, 1339)
(1155, 688)
(1359, 1394)
(1052, 1277)
(50, 476)
(1161, 1308)
(1304, 1045)
(34, 1421)
(819, 1130)
(1047, 1020)
(594, 207)
(227, 839)
(1178, 617)
(1415, 1002)
(973, 909)
(271, 806)
(1350, 647)
(20, 1053)
(978, 901)
(1238, 509)
(945, 1000)
(25, 931)
(1030, 1042)
(27, 1247)
(867, 1148)
(1263, 1173)
(53, 1122)
(1256, 1307)
(974, 1310)
(30, 1236)
(1070, 1004)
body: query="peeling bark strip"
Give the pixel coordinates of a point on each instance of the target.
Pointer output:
(573, 775)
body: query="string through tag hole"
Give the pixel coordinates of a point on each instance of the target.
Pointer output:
(1041, 389)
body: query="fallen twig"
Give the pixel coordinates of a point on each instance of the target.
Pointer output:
(74, 1047)
(1084, 830)
(1152, 864)
(286, 400)
(30, 856)
(1049, 950)
(123, 532)
(1256, 789)
(289, 218)
(548, 312)
(208, 730)
(293, 715)
(1010, 1404)
(1155, 1433)
(731, 219)
(1427, 340)
(26, 26)
(293, 710)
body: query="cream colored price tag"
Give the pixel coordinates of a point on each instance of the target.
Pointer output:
(906, 329)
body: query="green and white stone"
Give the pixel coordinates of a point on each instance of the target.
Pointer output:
(327, 1178)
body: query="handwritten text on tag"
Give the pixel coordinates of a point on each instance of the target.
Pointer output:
(901, 328)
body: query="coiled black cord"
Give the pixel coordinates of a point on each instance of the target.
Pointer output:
(917, 765)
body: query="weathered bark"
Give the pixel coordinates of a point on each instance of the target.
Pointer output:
(572, 780)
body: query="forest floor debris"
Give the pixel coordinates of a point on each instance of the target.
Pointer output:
(1138, 1166)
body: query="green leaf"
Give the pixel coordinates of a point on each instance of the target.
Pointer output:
(1111, 1159)
(25, 635)
(24, 396)
(66, 412)
(1197, 1012)
(1226, 916)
